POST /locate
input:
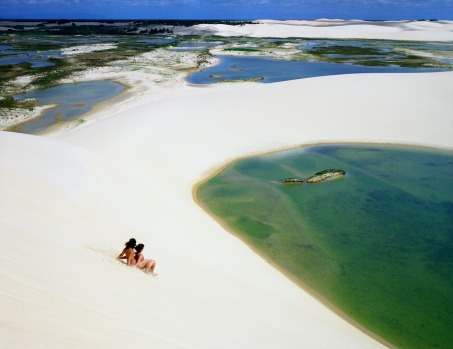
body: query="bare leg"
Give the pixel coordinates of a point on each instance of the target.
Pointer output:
(142, 265)
(150, 267)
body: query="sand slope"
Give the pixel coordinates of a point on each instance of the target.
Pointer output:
(69, 203)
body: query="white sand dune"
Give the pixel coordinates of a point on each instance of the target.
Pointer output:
(70, 201)
(340, 29)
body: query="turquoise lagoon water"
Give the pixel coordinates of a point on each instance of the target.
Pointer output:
(73, 100)
(272, 70)
(377, 243)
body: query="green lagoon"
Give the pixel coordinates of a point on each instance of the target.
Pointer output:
(377, 244)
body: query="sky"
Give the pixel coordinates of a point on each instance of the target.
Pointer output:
(226, 9)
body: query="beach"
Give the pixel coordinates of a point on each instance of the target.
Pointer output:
(72, 197)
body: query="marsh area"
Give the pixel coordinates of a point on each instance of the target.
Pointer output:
(37, 61)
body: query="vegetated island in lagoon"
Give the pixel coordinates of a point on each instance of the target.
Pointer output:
(317, 177)
(377, 245)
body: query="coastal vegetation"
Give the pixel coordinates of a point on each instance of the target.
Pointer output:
(34, 56)
(11, 72)
(108, 27)
(203, 58)
(241, 49)
(50, 75)
(254, 79)
(10, 102)
(59, 66)
(317, 177)
(379, 54)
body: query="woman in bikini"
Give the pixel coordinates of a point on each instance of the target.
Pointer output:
(147, 265)
(128, 253)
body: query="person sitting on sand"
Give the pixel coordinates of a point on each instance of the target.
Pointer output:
(128, 253)
(147, 265)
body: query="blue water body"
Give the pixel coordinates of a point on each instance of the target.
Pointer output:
(73, 100)
(187, 49)
(35, 58)
(38, 59)
(438, 46)
(243, 68)
(309, 45)
(193, 46)
(198, 44)
(64, 40)
(157, 41)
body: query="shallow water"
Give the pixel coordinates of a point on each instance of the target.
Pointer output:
(193, 46)
(272, 70)
(319, 57)
(198, 44)
(37, 59)
(157, 41)
(377, 243)
(73, 101)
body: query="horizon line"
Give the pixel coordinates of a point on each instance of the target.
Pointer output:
(209, 19)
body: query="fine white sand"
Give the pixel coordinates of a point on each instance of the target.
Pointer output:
(70, 201)
(387, 30)
(76, 50)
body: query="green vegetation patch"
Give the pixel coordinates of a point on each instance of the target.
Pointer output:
(346, 50)
(10, 102)
(254, 79)
(371, 53)
(13, 71)
(34, 45)
(49, 76)
(64, 66)
(242, 49)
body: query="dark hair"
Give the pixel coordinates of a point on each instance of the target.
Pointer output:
(139, 248)
(131, 243)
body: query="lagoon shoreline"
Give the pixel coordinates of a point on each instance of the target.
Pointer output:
(326, 302)
(132, 172)
(243, 237)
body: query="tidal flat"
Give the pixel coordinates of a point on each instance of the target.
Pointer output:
(376, 244)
